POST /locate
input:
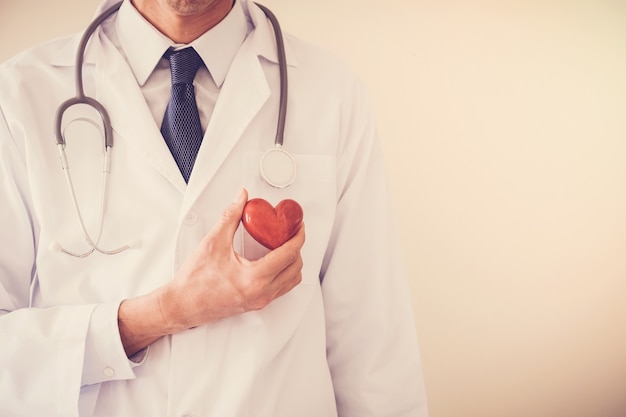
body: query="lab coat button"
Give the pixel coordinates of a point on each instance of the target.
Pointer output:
(109, 371)
(191, 218)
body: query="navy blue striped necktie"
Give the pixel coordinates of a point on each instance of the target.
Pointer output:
(181, 127)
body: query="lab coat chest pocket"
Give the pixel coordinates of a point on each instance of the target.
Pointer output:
(314, 189)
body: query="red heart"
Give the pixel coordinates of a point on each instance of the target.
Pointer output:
(270, 226)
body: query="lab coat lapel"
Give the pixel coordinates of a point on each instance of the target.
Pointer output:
(243, 93)
(130, 116)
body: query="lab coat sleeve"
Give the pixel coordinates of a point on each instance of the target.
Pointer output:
(42, 351)
(371, 337)
(105, 359)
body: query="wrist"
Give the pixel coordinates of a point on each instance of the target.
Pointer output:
(170, 310)
(140, 323)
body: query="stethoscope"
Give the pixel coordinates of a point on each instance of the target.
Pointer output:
(277, 167)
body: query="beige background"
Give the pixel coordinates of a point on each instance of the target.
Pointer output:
(504, 128)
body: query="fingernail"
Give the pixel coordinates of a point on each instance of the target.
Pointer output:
(239, 196)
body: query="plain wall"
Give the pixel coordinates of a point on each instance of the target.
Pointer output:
(504, 129)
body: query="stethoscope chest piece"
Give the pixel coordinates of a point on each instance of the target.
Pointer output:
(277, 167)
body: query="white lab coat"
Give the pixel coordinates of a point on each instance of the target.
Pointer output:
(343, 346)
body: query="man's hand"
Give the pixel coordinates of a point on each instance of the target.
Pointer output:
(213, 283)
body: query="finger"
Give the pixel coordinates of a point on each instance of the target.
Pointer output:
(225, 228)
(288, 278)
(299, 238)
(295, 242)
(289, 285)
(283, 256)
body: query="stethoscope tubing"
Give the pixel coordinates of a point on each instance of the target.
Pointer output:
(80, 97)
(282, 68)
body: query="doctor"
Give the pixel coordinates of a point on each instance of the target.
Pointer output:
(195, 318)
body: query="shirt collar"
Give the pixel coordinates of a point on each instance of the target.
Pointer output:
(144, 45)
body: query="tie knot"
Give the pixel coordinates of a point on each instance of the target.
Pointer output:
(184, 64)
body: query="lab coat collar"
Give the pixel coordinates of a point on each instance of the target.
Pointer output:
(67, 55)
(265, 31)
(105, 5)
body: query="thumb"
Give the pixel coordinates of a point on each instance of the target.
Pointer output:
(228, 223)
